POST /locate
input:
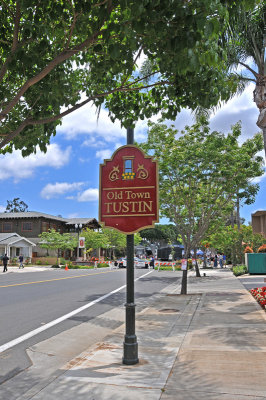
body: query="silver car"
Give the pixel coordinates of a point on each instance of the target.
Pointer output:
(141, 262)
(138, 263)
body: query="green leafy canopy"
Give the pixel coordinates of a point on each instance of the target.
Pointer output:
(201, 173)
(54, 52)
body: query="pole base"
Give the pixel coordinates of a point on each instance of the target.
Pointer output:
(130, 350)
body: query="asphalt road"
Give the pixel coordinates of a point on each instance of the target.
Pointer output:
(32, 300)
(252, 281)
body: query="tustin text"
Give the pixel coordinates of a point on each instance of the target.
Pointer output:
(128, 202)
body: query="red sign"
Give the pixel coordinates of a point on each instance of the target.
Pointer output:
(81, 242)
(128, 191)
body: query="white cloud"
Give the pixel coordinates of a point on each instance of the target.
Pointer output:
(15, 166)
(88, 195)
(2, 209)
(83, 122)
(258, 179)
(92, 142)
(57, 189)
(140, 60)
(239, 108)
(103, 154)
(73, 215)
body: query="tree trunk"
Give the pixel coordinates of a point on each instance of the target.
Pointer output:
(196, 265)
(204, 260)
(238, 213)
(233, 253)
(184, 276)
(260, 100)
(184, 283)
(264, 138)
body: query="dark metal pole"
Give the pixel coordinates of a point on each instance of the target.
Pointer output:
(130, 136)
(130, 356)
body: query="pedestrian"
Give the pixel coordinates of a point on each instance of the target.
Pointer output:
(224, 259)
(215, 263)
(152, 262)
(5, 261)
(21, 261)
(221, 260)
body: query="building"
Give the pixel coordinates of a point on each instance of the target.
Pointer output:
(258, 222)
(14, 245)
(29, 225)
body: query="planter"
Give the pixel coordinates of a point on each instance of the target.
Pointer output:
(257, 263)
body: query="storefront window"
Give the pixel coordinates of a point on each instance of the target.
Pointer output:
(26, 226)
(7, 226)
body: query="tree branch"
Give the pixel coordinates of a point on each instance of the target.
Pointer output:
(47, 120)
(250, 69)
(65, 55)
(8, 8)
(16, 27)
(15, 41)
(72, 27)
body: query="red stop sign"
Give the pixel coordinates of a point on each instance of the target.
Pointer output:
(129, 191)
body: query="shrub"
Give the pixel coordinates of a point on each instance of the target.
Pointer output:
(248, 249)
(71, 266)
(167, 268)
(102, 265)
(240, 270)
(262, 249)
(55, 266)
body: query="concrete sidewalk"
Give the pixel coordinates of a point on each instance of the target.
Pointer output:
(28, 268)
(209, 344)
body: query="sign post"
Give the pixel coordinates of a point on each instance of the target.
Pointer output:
(129, 202)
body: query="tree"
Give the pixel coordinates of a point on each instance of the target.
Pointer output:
(167, 233)
(95, 240)
(56, 241)
(201, 173)
(16, 205)
(246, 41)
(117, 240)
(232, 241)
(57, 56)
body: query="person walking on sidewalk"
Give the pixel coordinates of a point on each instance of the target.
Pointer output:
(221, 260)
(5, 260)
(21, 261)
(224, 259)
(215, 262)
(152, 262)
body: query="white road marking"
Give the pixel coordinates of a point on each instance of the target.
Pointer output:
(35, 332)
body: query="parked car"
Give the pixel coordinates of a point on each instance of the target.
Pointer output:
(122, 262)
(138, 262)
(141, 262)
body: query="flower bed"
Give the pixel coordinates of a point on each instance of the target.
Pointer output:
(260, 295)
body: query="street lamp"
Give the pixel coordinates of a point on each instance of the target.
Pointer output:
(78, 228)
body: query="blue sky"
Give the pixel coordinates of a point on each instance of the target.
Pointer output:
(65, 180)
